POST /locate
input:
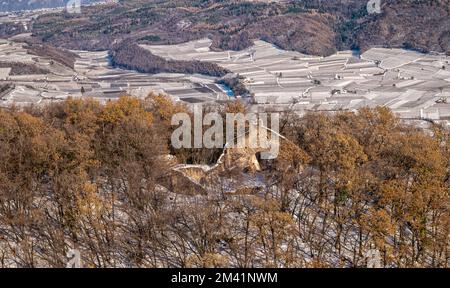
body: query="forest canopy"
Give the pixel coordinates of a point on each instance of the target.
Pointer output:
(87, 175)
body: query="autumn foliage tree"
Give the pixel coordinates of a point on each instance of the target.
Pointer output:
(85, 175)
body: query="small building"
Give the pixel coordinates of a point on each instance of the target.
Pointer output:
(4, 73)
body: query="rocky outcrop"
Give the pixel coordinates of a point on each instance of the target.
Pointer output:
(238, 171)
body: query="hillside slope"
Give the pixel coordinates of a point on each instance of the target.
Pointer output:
(421, 25)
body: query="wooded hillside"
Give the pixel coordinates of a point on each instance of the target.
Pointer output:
(78, 174)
